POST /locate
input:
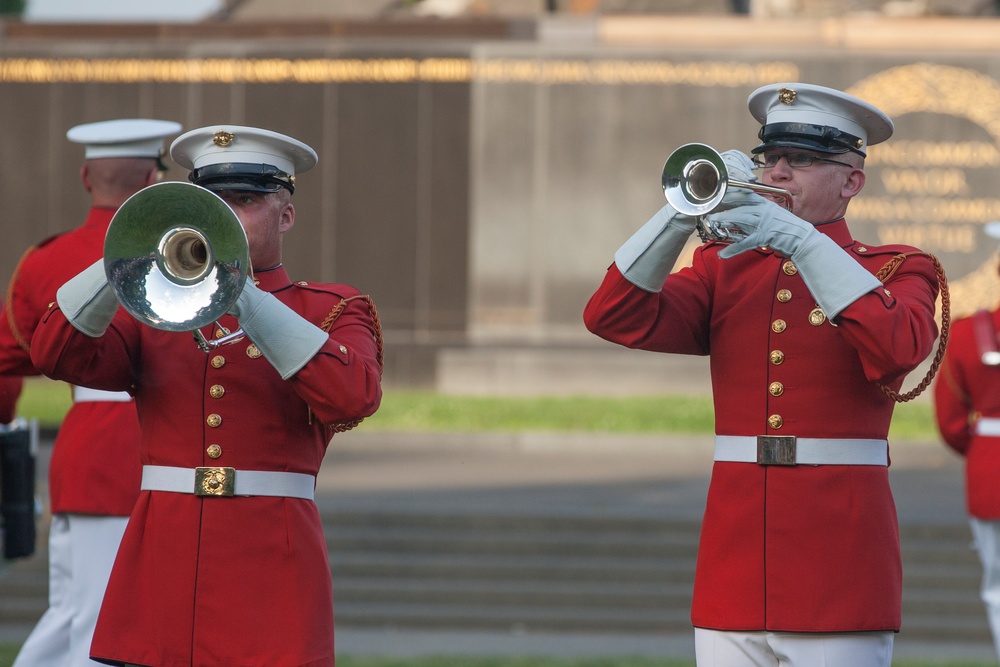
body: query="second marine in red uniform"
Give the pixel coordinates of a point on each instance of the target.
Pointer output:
(799, 554)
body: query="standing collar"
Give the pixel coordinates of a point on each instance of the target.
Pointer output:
(838, 231)
(273, 279)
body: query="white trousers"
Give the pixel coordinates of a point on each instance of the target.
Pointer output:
(986, 535)
(82, 549)
(715, 648)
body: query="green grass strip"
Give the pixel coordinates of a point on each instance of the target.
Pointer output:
(427, 411)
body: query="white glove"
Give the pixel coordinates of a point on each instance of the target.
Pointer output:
(740, 168)
(284, 337)
(833, 277)
(766, 224)
(88, 301)
(648, 256)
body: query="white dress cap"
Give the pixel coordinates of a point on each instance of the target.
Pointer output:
(233, 157)
(126, 137)
(816, 118)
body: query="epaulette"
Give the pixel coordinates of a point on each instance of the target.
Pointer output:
(860, 248)
(334, 289)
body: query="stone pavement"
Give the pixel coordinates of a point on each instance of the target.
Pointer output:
(597, 476)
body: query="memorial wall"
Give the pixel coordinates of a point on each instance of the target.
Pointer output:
(591, 142)
(478, 187)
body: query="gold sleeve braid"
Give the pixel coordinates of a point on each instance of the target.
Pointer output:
(340, 427)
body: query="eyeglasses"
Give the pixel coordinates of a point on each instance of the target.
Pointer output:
(794, 160)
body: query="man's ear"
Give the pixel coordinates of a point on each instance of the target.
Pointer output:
(85, 178)
(287, 220)
(855, 181)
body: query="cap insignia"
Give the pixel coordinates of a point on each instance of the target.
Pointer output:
(786, 95)
(222, 138)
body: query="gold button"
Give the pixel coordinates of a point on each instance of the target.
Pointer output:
(789, 268)
(253, 351)
(214, 451)
(817, 317)
(775, 421)
(214, 420)
(778, 326)
(218, 361)
(784, 295)
(777, 356)
(221, 331)
(217, 391)
(776, 389)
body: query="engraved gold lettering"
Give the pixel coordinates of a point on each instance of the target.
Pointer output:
(950, 238)
(936, 182)
(930, 209)
(396, 70)
(913, 154)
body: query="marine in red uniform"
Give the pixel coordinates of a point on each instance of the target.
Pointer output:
(94, 470)
(967, 410)
(799, 554)
(224, 561)
(17, 464)
(10, 393)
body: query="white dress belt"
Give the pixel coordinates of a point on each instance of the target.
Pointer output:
(88, 395)
(211, 481)
(989, 426)
(792, 450)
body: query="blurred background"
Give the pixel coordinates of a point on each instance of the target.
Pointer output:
(481, 160)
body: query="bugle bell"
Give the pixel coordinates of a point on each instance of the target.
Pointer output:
(177, 258)
(695, 179)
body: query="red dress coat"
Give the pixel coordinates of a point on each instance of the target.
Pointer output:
(231, 581)
(10, 392)
(95, 465)
(965, 390)
(802, 548)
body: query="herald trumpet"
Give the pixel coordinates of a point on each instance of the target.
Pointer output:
(177, 258)
(695, 179)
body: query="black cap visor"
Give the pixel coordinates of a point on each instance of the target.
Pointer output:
(819, 138)
(242, 176)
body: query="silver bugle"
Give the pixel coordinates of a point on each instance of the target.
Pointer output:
(695, 179)
(177, 258)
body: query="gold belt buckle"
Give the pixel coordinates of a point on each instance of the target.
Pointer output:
(776, 450)
(209, 481)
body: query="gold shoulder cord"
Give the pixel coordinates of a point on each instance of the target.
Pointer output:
(327, 324)
(884, 274)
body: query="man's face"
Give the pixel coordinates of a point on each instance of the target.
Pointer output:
(265, 217)
(821, 185)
